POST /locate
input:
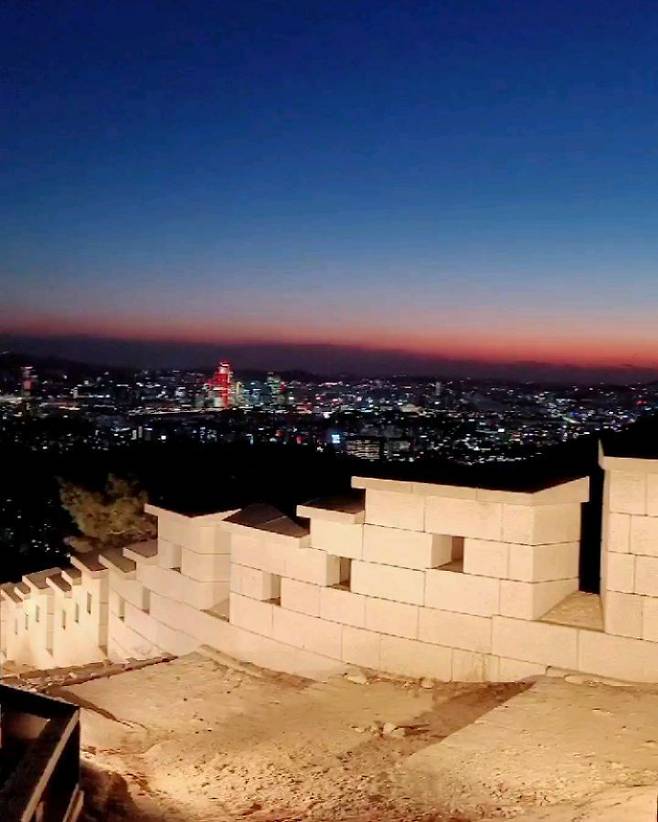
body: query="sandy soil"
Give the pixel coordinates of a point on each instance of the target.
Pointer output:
(196, 740)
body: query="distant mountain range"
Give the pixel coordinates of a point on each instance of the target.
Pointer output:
(13, 361)
(325, 360)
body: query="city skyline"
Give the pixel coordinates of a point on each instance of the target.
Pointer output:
(385, 185)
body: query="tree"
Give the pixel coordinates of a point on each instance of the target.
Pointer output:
(111, 518)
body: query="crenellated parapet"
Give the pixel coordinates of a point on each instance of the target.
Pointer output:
(629, 571)
(415, 579)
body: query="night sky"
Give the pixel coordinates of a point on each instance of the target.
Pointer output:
(307, 184)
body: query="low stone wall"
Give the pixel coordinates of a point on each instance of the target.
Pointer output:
(422, 580)
(57, 617)
(629, 569)
(415, 579)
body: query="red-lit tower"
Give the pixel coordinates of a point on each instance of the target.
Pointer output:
(220, 385)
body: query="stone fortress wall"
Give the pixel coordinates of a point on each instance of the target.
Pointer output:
(415, 579)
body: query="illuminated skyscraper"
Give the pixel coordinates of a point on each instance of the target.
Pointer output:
(220, 386)
(28, 379)
(276, 388)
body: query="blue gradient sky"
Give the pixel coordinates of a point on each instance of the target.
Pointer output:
(454, 180)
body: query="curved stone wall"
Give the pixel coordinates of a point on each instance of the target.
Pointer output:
(414, 579)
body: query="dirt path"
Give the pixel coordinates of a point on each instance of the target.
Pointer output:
(195, 740)
(555, 744)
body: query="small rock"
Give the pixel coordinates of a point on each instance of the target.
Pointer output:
(255, 806)
(398, 733)
(388, 728)
(358, 678)
(425, 682)
(358, 729)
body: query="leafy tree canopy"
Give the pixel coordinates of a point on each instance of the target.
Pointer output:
(110, 518)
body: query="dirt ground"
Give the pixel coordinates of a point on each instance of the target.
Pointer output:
(193, 739)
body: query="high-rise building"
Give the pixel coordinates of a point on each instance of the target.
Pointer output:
(365, 448)
(219, 386)
(238, 397)
(28, 380)
(276, 388)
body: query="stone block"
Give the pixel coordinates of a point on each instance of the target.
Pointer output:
(303, 597)
(312, 565)
(538, 642)
(288, 627)
(531, 600)
(172, 641)
(140, 554)
(170, 583)
(464, 518)
(396, 510)
(377, 484)
(650, 619)
(513, 670)
(201, 536)
(350, 513)
(405, 549)
(205, 567)
(116, 604)
(486, 558)
(627, 492)
(393, 618)
(337, 538)
(618, 534)
(387, 582)
(221, 540)
(169, 553)
(573, 491)
(463, 593)
(543, 563)
(646, 576)
(652, 495)
(620, 572)
(542, 524)
(361, 647)
(255, 552)
(253, 583)
(338, 605)
(310, 633)
(206, 628)
(491, 668)
(131, 590)
(470, 633)
(251, 614)
(132, 644)
(408, 657)
(623, 614)
(173, 527)
(618, 657)
(644, 536)
(433, 489)
(468, 666)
